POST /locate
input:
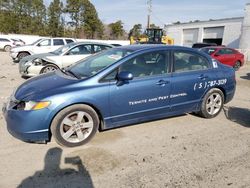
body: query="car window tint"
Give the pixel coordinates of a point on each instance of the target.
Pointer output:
(80, 50)
(208, 51)
(229, 51)
(185, 61)
(69, 41)
(46, 42)
(148, 64)
(58, 42)
(110, 77)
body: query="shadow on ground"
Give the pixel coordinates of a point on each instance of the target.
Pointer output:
(238, 115)
(247, 77)
(53, 176)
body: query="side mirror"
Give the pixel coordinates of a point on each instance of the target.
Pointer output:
(38, 44)
(125, 76)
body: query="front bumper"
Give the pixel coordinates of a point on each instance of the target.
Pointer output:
(28, 126)
(13, 55)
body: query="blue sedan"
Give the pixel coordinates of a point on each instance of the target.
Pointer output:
(117, 87)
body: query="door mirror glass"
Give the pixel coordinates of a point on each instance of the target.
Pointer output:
(125, 76)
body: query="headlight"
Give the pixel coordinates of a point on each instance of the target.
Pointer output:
(28, 63)
(31, 105)
(37, 61)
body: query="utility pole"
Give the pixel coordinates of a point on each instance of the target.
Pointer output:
(149, 3)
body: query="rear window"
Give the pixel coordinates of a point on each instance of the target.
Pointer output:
(58, 42)
(69, 41)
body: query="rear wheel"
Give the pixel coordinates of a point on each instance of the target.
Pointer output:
(75, 125)
(212, 103)
(7, 48)
(237, 65)
(22, 55)
(48, 68)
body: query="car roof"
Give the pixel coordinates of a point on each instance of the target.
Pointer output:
(87, 42)
(137, 47)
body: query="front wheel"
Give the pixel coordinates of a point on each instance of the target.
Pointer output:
(48, 68)
(7, 48)
(212, 103)
(75, 125)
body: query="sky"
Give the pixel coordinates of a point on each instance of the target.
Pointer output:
(165, 11)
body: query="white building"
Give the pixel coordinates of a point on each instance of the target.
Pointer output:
(222, 32)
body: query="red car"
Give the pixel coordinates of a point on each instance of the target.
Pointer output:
(225, 55)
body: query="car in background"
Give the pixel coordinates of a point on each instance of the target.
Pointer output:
(6, 44)
(117, 87)
(201, 45)
(227, 56)
(18, 42)
(42, 45)
(65, 56)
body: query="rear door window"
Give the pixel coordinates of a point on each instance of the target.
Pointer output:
(58, 42)
(69, 41)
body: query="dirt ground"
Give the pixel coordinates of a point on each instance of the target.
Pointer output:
(183, 151)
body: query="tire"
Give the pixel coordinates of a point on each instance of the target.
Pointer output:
(68, 128)
(237, 65)
(22, 55)
(48, 68)
(7, 48)
(212, 103)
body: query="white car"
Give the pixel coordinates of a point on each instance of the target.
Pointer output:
(43, 45)
(6, 44)
(47, 62)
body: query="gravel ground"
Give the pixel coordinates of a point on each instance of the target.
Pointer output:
(183, 151)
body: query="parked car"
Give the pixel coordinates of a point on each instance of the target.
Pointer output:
(67, 55)
(18, 42)
(6, 44)
(43, 45)
(201, 45)
(227, 56)
(117, 87)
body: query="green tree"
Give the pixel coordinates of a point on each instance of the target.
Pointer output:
(136, 31)
(116, 29)
(55, 26)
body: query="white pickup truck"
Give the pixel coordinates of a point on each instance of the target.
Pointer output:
(42, 45)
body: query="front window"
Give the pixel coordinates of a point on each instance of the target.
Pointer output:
(94, 64)
(80, 50)
(46, 42)
(63, 49)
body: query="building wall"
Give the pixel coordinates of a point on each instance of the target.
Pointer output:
(231, 34)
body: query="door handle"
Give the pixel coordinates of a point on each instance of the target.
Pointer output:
(162, 82)
(203, 77)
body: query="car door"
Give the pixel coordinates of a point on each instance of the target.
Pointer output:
(225, 56)
(146, 96)
(43, 46)
(75, 54)
(190, 78)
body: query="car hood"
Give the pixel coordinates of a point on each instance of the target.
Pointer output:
(21, 48)
(35, 56)
(43, 84)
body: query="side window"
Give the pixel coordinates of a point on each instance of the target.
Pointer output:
(148, 64)
(229, 51)
(185, 61)
(46, 42)
(221, 52)
(110, 77)
(69, 41)
(4, 40)
(80, 50)
(58, 42)
(98, 48)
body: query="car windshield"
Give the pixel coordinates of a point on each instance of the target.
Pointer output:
(208, 51)
(95, 63)
(35, 42)
(63, 49)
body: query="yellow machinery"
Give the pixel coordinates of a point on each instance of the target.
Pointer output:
(152, 36)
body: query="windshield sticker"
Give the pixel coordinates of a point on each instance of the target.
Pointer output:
(115, 57)
(208, 84)
(156, 99)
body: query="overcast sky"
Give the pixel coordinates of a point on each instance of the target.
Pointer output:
(166, 11)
